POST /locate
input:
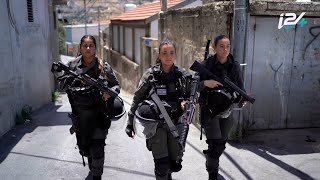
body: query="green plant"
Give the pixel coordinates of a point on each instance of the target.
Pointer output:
(54, 95)
(19, 119)
(61, 35)
(235, 135)
(246, 127)
(241, 131)
(24, 114)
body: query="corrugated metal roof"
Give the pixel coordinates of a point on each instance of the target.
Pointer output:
(144, 11)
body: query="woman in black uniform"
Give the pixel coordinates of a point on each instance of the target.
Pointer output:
(88, 104)
(216, 101)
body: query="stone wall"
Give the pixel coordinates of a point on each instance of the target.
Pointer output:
(127, 71)
(275, 8)
(191, 28)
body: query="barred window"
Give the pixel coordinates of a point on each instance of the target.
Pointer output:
(30, 11)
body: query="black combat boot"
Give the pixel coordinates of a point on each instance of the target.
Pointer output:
(213, 176)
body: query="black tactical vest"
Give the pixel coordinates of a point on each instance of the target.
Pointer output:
(83, 96)
(170, 87)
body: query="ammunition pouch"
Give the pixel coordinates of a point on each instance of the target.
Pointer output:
(83, 97)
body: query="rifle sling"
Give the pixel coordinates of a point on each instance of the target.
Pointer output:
(165, 114)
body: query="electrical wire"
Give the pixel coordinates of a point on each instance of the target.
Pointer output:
(11, 19)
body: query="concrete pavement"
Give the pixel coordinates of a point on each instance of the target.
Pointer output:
(44, 149)
(268, 154)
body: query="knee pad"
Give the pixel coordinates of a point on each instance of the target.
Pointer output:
(215, 148)
(162, 166)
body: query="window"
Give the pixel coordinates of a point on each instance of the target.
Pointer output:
(30, 11)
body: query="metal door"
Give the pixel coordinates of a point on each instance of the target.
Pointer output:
(287, 88)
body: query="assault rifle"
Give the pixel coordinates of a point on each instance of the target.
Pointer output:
(189, 111)
(192, 101)
(225, 81)
(190, 105)
(98, 83)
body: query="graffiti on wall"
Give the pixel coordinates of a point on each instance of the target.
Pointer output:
(312, 31)
(275, 70)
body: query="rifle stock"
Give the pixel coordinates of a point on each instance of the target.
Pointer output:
(198, 67)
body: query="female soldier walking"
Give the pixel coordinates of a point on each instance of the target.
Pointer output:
(168, 82)
(216, 102)
(87, 102)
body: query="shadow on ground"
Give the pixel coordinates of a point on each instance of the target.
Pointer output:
(54, 117)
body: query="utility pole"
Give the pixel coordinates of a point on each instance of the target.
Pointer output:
(163, 5)
(99, 31)
(239, 48)
(161, 19)
(239, 30)
(85, 17)
(99, 19)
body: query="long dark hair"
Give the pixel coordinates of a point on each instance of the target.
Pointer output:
(166, 42)
(88, 37)
(218, 38)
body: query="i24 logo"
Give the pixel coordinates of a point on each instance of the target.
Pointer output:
(291, 20)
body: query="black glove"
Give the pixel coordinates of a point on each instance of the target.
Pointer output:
(55, 68)
(130, 131)
(242, 102)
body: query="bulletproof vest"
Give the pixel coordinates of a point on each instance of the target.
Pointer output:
(168, 86)
(80, 95)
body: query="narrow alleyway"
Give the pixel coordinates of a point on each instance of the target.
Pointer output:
(44, 149)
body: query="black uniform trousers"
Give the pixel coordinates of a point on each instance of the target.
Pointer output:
(91, 140)
(217, 131)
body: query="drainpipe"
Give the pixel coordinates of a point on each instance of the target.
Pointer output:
(240, 20)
